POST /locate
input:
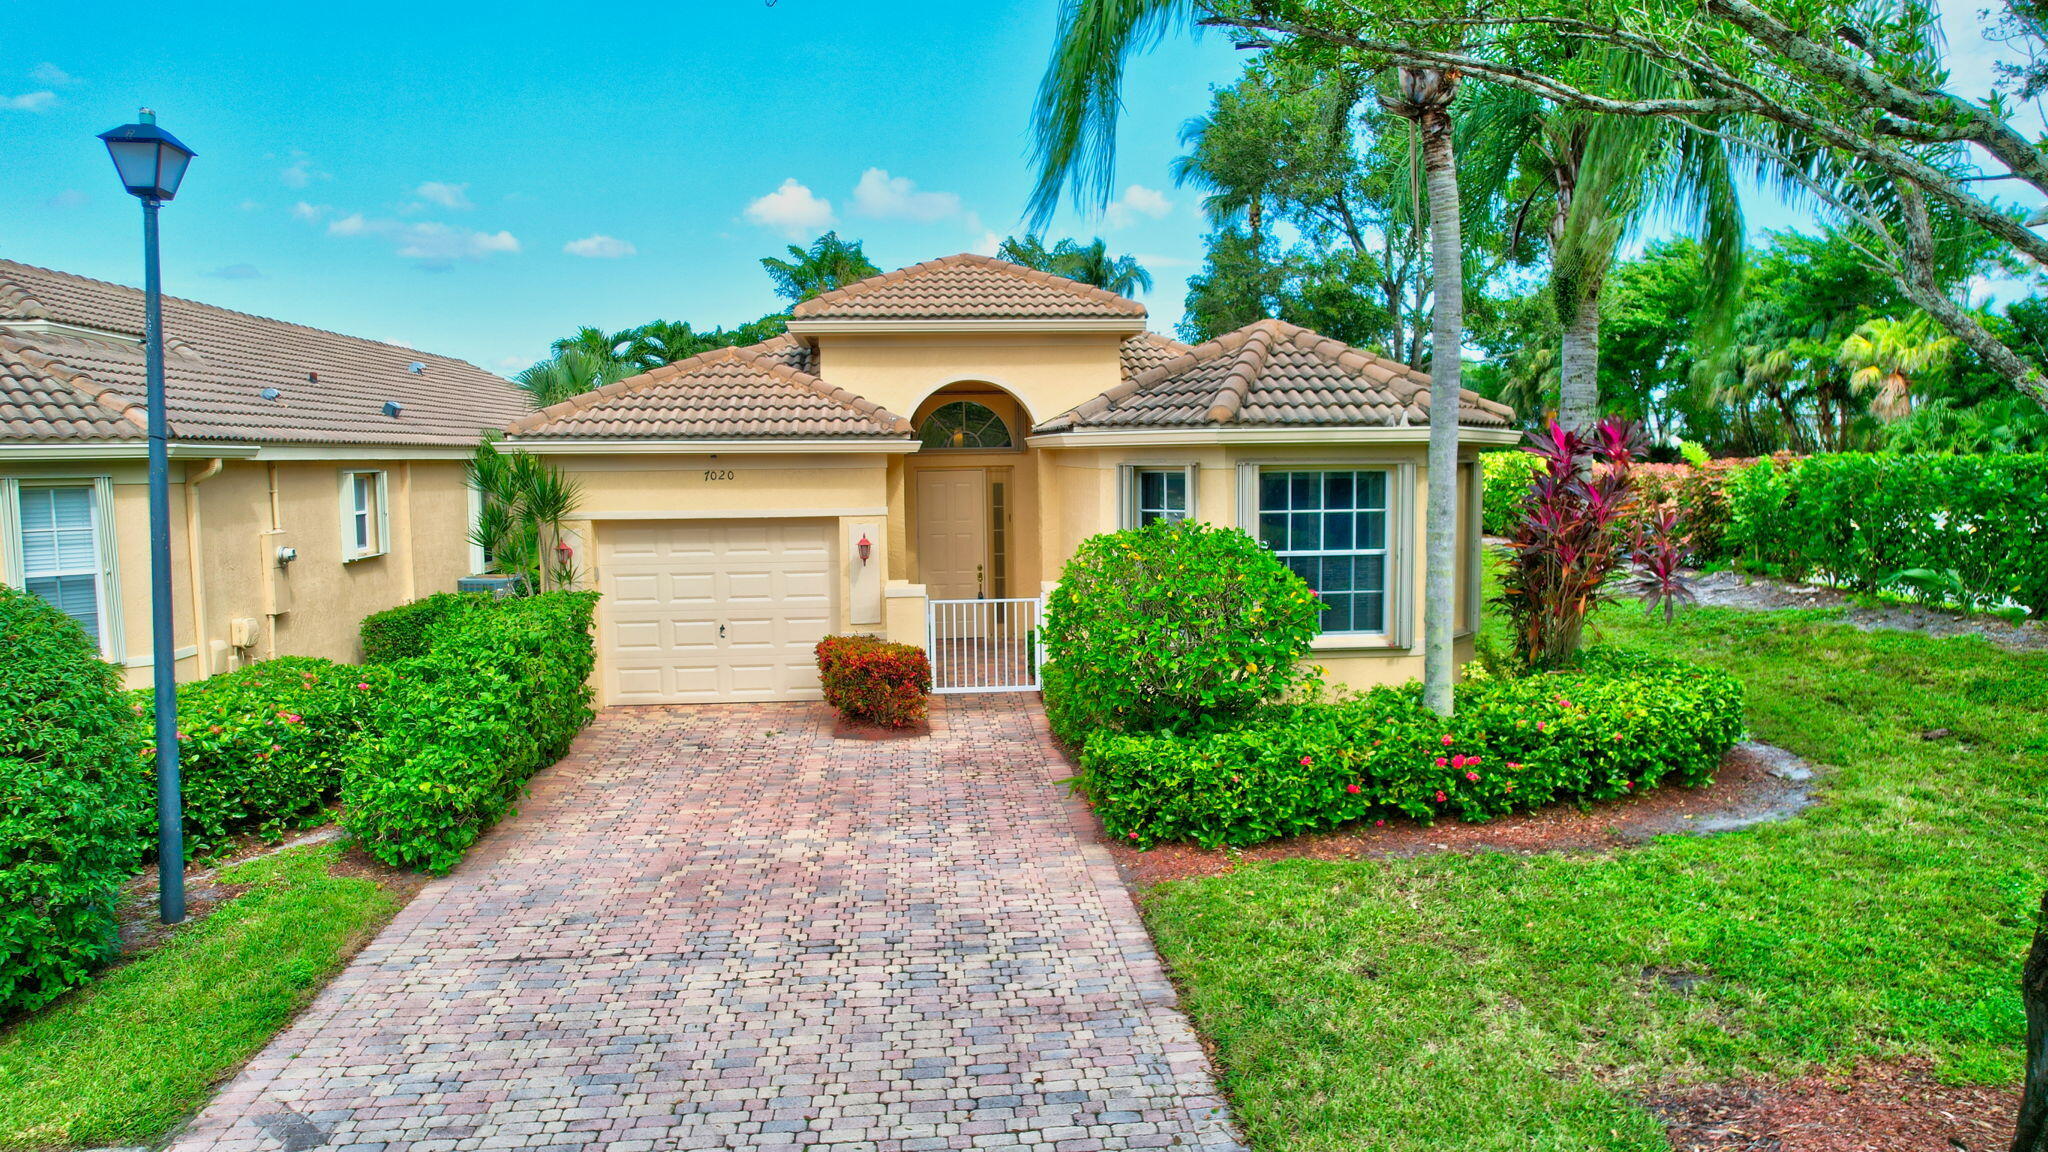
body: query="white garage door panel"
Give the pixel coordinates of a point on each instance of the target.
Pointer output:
(669, 587)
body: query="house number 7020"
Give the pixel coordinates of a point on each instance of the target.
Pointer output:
(717, 474)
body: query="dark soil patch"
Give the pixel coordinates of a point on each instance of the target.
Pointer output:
(397, 881)
(1733, 590)
(1756, 784)
(1888, 1106)
(847, 728)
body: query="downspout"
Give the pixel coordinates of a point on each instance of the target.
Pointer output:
(202, 651)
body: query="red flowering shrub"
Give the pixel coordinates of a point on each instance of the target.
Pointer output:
(1568, 540)
(868, 678)
(1613, 724)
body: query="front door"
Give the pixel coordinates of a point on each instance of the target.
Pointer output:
(952, 532)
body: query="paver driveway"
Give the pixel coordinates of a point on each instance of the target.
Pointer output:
(721, 927)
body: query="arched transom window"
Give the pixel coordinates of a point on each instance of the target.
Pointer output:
(964, 424)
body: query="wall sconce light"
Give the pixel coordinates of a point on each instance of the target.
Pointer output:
(867, 548)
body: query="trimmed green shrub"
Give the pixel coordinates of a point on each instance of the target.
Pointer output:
(1176, 625)
(501, 691)
(868, 678)
(1614, 724)
(261, 748)
(1699, 494)
(401, 633)
(1504, 479)
(74, 812)
(1862, 520)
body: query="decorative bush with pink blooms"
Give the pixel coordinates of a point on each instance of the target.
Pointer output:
(1613, 724)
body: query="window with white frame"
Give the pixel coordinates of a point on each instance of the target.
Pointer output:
(1330, 527)
(62, 559)
(1159, 494)
(364, 523)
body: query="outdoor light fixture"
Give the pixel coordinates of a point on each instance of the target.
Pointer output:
(151, 163)
(867, 548)
(150, 160)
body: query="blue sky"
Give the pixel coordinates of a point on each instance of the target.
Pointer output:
(424, 173)
(479, 179)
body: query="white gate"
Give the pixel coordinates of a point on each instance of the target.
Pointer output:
(983, 645)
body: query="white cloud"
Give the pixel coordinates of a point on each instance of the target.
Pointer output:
(896, 197)
(69, 198)
(1136, 201)
(988, 244)
(436, 246)
(48, 73)
(791, 209)
(446, 195)
(257, 205)
(302, 210)
(599, 247)
(300, 172)
(29, 101)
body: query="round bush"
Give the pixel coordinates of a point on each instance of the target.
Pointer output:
(74, 812)
(1172, 626)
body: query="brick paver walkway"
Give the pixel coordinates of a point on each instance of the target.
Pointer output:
(720, 927)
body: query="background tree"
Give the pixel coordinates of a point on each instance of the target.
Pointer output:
(572, 369)
(1886, 357)
(827, 264)
(1088, 263)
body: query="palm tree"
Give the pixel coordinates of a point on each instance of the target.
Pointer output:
(827, 264)
(572, 369)
(1074, 141)
(1088, 263)
(660, 342)
(1886, 355)
(1423, 96)
(595, 342)
(1600, 178)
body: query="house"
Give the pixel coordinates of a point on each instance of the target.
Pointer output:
(315, 477)
(923, 449)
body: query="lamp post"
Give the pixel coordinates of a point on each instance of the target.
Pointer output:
(151, 163)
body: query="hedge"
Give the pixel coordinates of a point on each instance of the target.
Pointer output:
(74, 812)
(501, 691)
(261, 748)
(867, 678)
(401, 633)
(1615, 724)
(1980, 523)
(1504, 478)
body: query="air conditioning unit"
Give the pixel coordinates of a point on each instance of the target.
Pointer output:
(498, 586)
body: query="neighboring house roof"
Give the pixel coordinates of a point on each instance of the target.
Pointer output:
(1272, 374)
(967, 287)
(723, 394)
(1148, 350)
(72, 369)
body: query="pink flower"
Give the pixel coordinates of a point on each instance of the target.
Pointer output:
(1379, 823)
(1447, 739)
(1628, 785)
(1306, 762)
(1510, 787)
(1134, 835)
(1539, 725)
(362, 685)
(1472, 776)
(1442, 763)
(1514, 766)
(1353, 789)
(1440, 797)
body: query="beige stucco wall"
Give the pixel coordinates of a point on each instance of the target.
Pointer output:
(427, 550)
(1049, 372)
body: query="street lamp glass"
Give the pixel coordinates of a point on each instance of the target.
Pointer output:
(151, 161)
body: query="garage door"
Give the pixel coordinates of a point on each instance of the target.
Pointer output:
(709, 610)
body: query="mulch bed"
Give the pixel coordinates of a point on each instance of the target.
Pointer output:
(1757, 783)
(846, 728)
(1879, 1106)
(1733, 590)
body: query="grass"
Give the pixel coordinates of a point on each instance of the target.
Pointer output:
(1498, 1002)
(127, 1058)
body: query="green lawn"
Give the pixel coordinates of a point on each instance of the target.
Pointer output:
(1502, 1003)
(127, 1058)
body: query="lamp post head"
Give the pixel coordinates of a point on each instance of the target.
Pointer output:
(150, 161)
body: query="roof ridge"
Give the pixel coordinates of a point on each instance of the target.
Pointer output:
(896, 276)
(1251, 364)
(417, 353)
(63, 373)
(829, 391)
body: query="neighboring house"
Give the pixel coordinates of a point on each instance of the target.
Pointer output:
(347, 454)
(925, 448)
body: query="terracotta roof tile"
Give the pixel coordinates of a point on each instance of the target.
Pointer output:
(1271, 374)
(331, 388)
(1148, 350)
(967, 287)
(723, 394)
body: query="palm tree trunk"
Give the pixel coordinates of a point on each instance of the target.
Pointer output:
(1579, 365)
(2032, 1132)
(1429, 92)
